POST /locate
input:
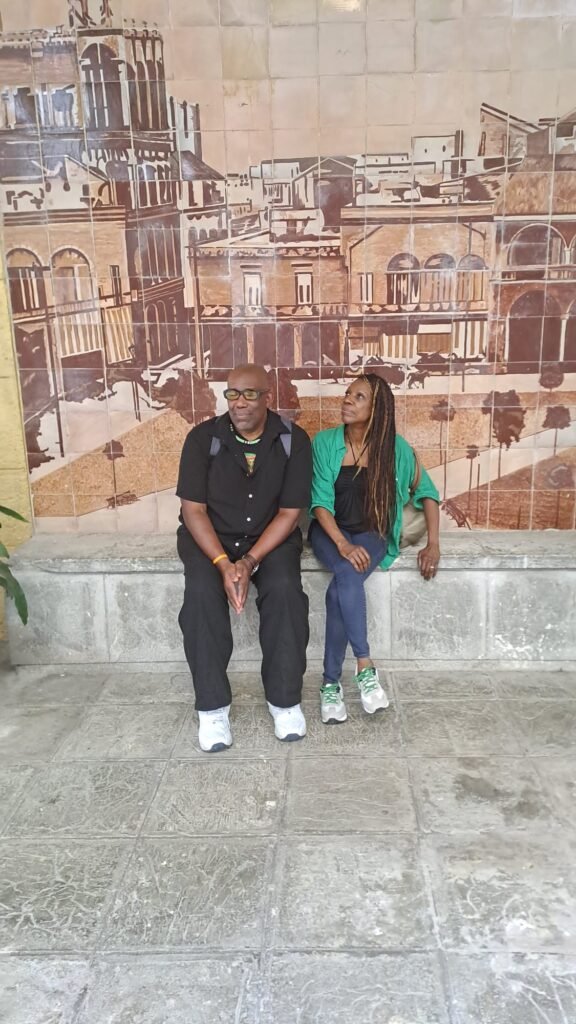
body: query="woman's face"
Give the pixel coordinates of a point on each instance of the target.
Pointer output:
(357, 403)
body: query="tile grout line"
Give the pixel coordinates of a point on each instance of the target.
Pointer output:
(109, 903)
(18, 798)
(270, 921)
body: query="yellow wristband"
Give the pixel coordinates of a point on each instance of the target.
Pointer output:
(219, 558)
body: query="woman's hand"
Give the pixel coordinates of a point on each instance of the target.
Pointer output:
(428, 559)
(355, 554)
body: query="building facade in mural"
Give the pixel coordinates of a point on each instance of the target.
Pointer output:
(139, 274)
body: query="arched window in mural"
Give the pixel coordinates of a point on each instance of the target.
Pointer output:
(533, 249)
(570, 341)
(78, 325)
(148, 185)
(471, 279)
(101, 87)
(71, 277)
(26, 278)
(403, 281)
(534, 330)
(437, 283)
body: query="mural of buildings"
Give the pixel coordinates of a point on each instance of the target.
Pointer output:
(139, 274)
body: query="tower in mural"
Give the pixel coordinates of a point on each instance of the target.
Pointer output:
(131, 141)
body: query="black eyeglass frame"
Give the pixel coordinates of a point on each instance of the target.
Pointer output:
(250, 394)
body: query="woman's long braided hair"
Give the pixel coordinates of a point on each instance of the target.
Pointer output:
(380, 441)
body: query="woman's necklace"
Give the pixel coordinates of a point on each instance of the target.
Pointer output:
(355, 456)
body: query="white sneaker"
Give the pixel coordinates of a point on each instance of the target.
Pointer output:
(214, 732)
(289, 723)
(372, 695)
(332, 706)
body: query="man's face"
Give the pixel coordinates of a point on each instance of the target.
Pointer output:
(249, 415)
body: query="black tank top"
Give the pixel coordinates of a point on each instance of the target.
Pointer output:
(349, 497)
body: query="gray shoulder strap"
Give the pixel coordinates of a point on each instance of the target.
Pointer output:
(287, 438)
(215, 443)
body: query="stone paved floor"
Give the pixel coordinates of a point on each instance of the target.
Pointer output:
(413, 868)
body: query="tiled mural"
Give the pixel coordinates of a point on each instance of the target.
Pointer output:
(319, 187)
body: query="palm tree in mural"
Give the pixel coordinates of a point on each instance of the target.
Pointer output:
(442, 412)
(472, 453)
(557, 418)
(508, 419)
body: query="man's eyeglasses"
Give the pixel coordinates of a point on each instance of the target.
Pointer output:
(250, 394)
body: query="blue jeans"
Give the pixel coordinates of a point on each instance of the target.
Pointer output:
(346, 621)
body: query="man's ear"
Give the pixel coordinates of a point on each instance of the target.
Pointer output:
(268, 398)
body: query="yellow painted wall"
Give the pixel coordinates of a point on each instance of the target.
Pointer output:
(14, 489)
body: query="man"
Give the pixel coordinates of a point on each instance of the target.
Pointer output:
(244, 478)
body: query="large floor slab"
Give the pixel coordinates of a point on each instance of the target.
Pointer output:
(412, 867)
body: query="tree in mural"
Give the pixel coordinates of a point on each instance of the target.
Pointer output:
(508, 419)
(551, 377)
(113, 450)
(442, 413)
(557, 418)
(472, 453)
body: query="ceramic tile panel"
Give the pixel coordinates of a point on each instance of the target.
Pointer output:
(324, 188)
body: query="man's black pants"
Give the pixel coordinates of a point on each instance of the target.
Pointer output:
(205, 624)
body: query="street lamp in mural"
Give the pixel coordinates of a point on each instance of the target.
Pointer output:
(442, 412)
(561, 479)
(198, 347)
(472, 453)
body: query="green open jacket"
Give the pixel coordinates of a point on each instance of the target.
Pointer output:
(328, 449)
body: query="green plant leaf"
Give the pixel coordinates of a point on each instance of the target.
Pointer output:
(13, 515)
(10, 584)
(3, 551)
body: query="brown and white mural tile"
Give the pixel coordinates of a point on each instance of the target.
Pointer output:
(186, 187)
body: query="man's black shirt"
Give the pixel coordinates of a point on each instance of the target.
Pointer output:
(241, 505)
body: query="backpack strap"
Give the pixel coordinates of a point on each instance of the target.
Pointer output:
(216, 444)
(287, 438)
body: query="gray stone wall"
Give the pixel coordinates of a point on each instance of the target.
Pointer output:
(497, 598)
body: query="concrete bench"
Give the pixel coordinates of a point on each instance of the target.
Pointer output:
(499, 597)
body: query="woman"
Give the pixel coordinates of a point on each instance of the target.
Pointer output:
(364, 475)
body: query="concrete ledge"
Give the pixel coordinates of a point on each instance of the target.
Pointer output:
(499, 597)
(111, 553)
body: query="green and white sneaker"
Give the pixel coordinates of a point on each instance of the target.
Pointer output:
(372, 695)
(332, 706)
